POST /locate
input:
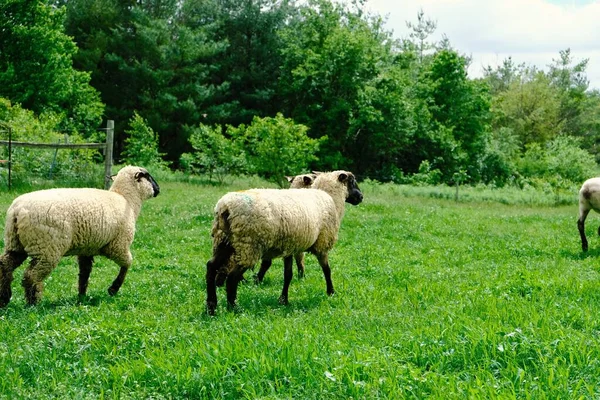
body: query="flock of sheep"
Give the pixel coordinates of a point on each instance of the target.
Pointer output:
(249, 226)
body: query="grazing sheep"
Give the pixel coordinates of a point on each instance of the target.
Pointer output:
(268, 223)
(296, 182)
(49, 224)
(589, 199)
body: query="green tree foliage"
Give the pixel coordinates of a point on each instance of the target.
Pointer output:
(276, 147)
(149, 57)
(249, 66)
(30, 164)
(36, 66)
(141, 145)
(461, 105)
(338, 78)
(214, 154)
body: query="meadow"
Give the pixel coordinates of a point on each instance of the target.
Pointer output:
(486, 297)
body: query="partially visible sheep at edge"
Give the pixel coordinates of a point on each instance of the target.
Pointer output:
(268, 223)
(49, 224)
(296, 182)
(589, 199)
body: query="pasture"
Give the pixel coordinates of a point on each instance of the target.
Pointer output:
(434, 298)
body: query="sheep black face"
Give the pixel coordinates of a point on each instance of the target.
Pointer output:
(355, 196)
(143, 174)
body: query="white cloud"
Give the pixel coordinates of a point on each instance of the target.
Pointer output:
(531, 31)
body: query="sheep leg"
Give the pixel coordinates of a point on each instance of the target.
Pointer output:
(581, 225)
(299, 257)
(8, 263)
(85, 269)
(287, 278)
(324, 263)
(33, 279)
(221, 255)
(116, 285)
(231, 285)
(264, 267)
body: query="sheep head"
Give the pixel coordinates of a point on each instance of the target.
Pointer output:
(354, 196)
(301, 181)
(138, 178)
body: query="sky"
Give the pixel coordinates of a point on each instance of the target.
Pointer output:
(530, 31)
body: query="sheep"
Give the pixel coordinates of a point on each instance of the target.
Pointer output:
(49, 224)
(268, 223)
(589, 199)
(296, 182)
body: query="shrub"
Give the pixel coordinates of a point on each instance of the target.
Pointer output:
(214, 154)
(276, 147)
(141, 145)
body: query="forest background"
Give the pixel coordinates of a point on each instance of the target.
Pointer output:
(276, 87)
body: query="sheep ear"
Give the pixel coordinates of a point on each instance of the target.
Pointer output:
(307, 180)
(112, 177)
(290, 178)
(342, 177)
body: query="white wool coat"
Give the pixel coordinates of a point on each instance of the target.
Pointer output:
(49, 224)
(276, 223)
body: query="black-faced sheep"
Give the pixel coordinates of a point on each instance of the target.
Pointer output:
(267, 223)
(589, 199)
(296, 182)
(49, 224)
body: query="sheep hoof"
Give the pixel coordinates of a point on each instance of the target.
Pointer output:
(283, 300)
(330, 292)
(211, 307)
(112, 291)
(5, 298)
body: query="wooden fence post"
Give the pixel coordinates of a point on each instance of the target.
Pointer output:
(108, 152)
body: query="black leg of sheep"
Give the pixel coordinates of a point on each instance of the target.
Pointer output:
(116, 285)
(581, 227)
(264, 267)
(231, 285)
(33, 278)
(324, 263)
(8, 263)
(300, 264)
(85, 269)
(288, 273)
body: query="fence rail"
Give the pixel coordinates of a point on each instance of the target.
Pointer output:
(107, 147)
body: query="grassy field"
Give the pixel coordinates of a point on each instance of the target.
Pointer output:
(435, 298)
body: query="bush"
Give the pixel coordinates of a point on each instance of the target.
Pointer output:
(276, 147)
(141, 146)
(214, 154)
(33, 167)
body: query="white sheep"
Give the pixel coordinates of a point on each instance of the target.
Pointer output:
(296, 182)
(589, 199)
(49, 224)
(267, 223)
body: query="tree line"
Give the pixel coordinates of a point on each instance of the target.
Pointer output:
(328, 74)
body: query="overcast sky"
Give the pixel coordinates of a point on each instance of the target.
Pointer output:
(531, 31)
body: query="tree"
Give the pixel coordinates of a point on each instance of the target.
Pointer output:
(150, 57)
(275, 147)
(141, 145)
(213, 153)
(462, 106)
(249, 65)
(36, 66)
(335, 62)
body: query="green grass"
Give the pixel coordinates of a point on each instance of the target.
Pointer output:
(434, 298)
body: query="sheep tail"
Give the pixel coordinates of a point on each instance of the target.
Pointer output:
(221, 228)
(11, 229)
